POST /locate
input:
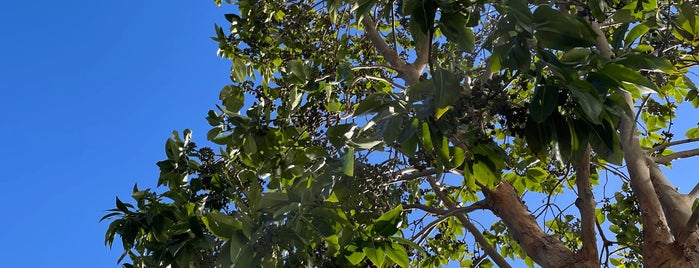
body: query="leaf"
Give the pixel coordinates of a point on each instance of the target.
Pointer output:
(605, 142)
(561, 31)
(371, 103)
(298, 71)
(388, 224)
(692, 133)
(620, 73)
(239, 72)
(426, 137)
(538, 137)
(348, 162)
(375, 255)
(221, 225)
(587, 97)
(544, 102)
(339, 134)
(355, 257)
(447, 91)
(636, 32)
(398, 254)
(642, 61)
(453, 25)
(232, 97)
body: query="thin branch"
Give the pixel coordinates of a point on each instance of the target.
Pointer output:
(494, 255)
(669, 158)
(414, 175)
(447, 212)
(665, 145)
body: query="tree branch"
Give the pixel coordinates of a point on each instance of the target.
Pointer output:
(388, 53)
(682, 154)
(414, 175)
(494, 255)
(656, 231)
(694, 192)
(586, 204)
(665, 145)
(447, 212)
(544, 249)
(690, 228)
(409, 72)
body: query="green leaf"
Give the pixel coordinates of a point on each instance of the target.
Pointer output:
(221, 225)
(605, 142)
(388, 224)
(561, 31)
(355, 257)
(397, 254)
(372, 103)
(485, 171)
(232, 97)
(538, 137)
(348, 162)
(647, 62)
(239, 73)
(453, 25)
(375, 255)
(447, 91)
(692, 133)
(587, 97)
(426, 137)
(639, 84)
(338, 135)
(297, 71)
(636, 32)
(544, 102)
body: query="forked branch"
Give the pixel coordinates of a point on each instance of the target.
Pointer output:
(409, 72)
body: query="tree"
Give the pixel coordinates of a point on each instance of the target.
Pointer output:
(359, 133)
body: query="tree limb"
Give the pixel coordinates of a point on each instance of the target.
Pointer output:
(690, 228)
(665, 145)
(447, 212)
(694, 192)
(494, 255)
(586, 204)
(682, 154)
(409, 72)
(655, 228)
(544, 249)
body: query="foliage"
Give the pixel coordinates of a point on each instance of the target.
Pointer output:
(327, 159)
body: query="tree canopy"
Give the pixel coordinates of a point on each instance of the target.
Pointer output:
(364, 133)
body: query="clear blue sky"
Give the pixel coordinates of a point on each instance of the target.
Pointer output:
(90, 91)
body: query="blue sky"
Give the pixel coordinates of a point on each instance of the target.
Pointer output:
(90, 92)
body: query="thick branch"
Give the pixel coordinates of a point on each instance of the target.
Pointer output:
(544, 249)
(682, 154)
(655, 226)
(586, 204)
(497, 258)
